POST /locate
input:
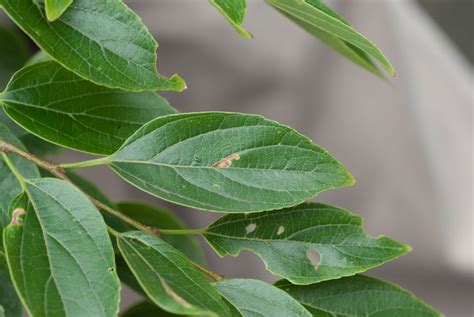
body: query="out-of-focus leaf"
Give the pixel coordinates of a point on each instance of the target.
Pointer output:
(234, 12)
(10, 305)
(146, 309)
(319, 20)
(13, 54)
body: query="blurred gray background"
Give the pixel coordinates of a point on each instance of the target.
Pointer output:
(407, 142)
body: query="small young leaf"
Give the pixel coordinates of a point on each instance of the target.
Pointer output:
(358, 296)
(159, 217)
(305, 244)
(9, 301)
(322, 22)
(168, 278)
(55, 8)
(234, 12)
(102, 41)
(256, 298)
(60, 107)
(226, 162)
(145, 309)
(9, 186)
(60, 256)
(13, 54)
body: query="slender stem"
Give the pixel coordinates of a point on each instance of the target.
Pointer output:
(89, 163)
(182, 231)
(113, 232)
(15, 171)
(214, 276)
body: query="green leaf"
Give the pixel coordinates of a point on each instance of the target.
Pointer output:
(227, 162)
(60, 256)
(159, 217)
(322, 22)
(59, 106)
(38, 57)
(256, 298)
(13, 54)
(55, 8)
(35, 145)
(9, 303)
(102, 41)
(234, 12)
(289, 241)
(168, 277)
(9, 186)
(145, 309)
(356, 296)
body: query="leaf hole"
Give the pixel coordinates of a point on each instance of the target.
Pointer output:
(280, 230)
(314, 257)
(250, 228)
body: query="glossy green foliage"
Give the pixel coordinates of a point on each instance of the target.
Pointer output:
(158, 217)
(322, 22)
(256, 298)
(358, 296)
(168, 277)
(9, 186)
(290, 241)
(103, 41)
(59, 106)
(226, 162)
(234, 12)
(55, 8)
(10, 305)
(13, 54)
(57, 249)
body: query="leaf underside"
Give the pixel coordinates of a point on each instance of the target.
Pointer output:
(60, 252)
(234, 12)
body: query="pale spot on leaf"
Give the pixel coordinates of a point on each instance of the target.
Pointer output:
(17, 213)
(175, 296)
(226, 161)
(280, 230)
(250, 228)
(313, 257)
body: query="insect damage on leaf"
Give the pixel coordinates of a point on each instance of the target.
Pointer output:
(16, 216)
(173, 294)
(226, 161)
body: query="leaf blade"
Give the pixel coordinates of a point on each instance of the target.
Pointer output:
(226, 162)
(61, 253)
(285, 239)
(55, 8)
(178, 287)
(359, 295)
(60, 107)
(325, 24)
(256, 298)
(103, 41)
